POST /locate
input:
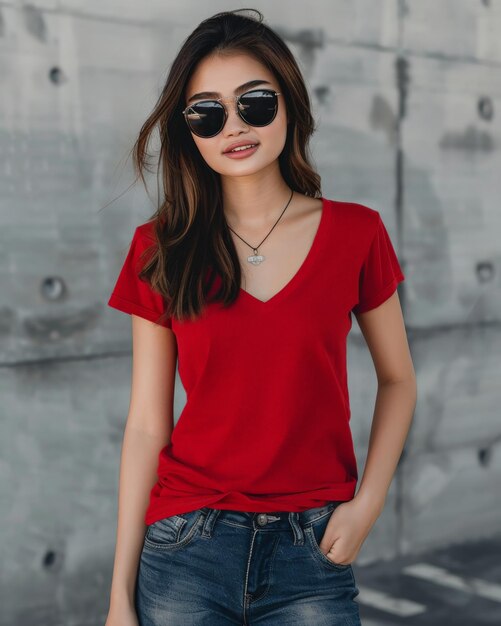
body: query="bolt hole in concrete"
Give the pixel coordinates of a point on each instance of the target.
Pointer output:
(53, 288)
(485, 271)
(485, 456)
(56, 75)
(485, 108)
(49, 558)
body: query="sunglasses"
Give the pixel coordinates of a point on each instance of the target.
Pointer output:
(207, 118)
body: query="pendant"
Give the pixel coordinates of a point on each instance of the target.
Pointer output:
(256, 259)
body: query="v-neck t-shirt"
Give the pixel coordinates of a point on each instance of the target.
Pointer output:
(266, 424)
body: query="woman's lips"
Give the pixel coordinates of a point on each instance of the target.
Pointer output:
(241, 154)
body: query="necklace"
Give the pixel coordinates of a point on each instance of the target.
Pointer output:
(257, 259)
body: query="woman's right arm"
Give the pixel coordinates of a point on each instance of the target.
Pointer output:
(148, 429)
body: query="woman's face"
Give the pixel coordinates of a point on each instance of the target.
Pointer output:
(224, 75)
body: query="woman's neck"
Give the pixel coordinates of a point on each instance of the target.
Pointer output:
(252, 206)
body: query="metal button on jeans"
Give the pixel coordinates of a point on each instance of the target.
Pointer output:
(262, 519)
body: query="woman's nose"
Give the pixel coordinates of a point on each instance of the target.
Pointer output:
(234, 121)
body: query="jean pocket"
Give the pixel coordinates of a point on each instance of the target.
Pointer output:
(314, 533)
(175, 531)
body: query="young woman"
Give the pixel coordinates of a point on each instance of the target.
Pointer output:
(247, 276)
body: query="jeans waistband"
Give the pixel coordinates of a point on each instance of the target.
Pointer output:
(277, 520)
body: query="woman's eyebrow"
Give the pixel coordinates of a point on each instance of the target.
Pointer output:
(238, 90)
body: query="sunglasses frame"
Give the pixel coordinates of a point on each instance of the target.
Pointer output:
(235, 99)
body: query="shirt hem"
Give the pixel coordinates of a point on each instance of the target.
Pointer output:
(160, 509)
(127, 306)
(380, 297)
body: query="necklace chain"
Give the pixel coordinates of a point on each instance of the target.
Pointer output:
(257, 258)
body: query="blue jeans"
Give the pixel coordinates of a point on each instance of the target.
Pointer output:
(213, 566)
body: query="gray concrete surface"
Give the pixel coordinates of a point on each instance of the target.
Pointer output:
(459, 584)
(407, 97)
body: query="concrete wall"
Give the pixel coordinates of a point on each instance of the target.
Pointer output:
(407, 97)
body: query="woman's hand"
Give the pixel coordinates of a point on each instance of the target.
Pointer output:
(121, 615)
(347, 529)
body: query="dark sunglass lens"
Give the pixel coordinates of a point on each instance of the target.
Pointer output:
(205, 118)
(258, 107)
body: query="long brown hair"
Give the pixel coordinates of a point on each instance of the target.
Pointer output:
(189, 225)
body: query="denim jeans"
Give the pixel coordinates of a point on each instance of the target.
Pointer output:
(213, 566)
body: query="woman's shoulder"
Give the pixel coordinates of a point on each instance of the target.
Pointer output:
(353, 213)
(146, 231)
(353, 221)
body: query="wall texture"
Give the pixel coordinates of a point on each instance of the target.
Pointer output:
(406, 97)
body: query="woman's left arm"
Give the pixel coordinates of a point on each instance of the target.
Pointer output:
(384, 331)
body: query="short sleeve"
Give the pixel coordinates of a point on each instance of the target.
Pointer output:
(132, 295)
(380, 272)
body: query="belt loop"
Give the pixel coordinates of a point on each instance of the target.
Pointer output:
(210, 520)
(297, 529)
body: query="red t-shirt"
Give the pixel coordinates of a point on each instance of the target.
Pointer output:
(266, 422)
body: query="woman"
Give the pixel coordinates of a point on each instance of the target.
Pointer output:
(248, 276)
